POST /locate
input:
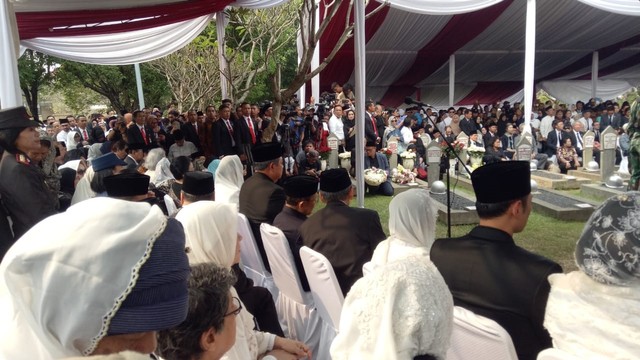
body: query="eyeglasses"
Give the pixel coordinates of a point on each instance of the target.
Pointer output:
(237, 310)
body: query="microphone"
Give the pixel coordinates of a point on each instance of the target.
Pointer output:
(410, 101)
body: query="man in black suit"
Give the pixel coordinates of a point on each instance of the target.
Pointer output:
(192, 129)
(224, 134)
(555, 137)
(487, 272)
(135, 156)
(575, 134)
(371, 132)
(491, 135)
(247, 134)
(467, 124)
(260, 198)
(346, 236)
(138, 132)
(611, 118)
(302, 195)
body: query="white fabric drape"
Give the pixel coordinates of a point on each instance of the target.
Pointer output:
(440, 7)
(122, 48)
(10, 95)
(570, 91)
(258, 4)
(622, 7)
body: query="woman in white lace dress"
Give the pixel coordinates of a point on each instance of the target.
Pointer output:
(594, 313)
(401, 311)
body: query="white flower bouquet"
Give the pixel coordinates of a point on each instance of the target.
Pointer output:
(408, 155)
(374, 176)
(345, 155)
(475, 151)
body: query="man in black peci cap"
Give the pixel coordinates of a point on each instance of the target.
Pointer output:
(197, 186)
(487, 272)
(302, 195)
(260, 198)
(130, 186)
(346, 236)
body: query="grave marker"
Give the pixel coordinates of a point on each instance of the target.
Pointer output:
(607, 153)
(434, 157)
(333, 142)
(587, 148)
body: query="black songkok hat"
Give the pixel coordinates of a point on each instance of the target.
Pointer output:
(266, 152)
(490, 189)
(370, 143)
(127, 184)
(198, 183)
(15, 118)
(334, 180)
(300, 186)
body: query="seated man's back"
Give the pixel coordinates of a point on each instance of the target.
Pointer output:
(346, 236)
(487, 272)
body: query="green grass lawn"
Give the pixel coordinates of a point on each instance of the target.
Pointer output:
(547, 236)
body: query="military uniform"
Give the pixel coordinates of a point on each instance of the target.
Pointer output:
(24, 192)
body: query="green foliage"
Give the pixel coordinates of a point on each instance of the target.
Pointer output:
(35, 71)
(116, 83)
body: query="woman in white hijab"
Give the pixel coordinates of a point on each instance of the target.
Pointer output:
(95, 286)
(400, 311)
(163, 171)
(229, 180)
(151, 162)
(211, 236)
(412, 228)
(83, 189)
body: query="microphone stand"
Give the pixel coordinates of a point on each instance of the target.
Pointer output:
(433, 123)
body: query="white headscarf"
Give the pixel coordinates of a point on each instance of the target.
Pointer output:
(163, 171)
(83, 189)
(59, 290)
(94, 151)
(211, 236)
(399, 311)
(229, 180)
(412, 228)
(211, 231)
(151, 162)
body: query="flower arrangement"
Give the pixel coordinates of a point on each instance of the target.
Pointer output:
(324, 151)
(457, 147)
(374, 176)
(345, 155)
(408, 155)
(400, 175)
(475, 151)
(387, 152)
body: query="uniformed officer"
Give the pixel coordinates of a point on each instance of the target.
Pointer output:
(22, 187)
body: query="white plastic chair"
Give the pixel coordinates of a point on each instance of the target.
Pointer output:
(296, 311)
(251, 260)
(172, 209)
(555, 354)
(324, 286)
(479, 338)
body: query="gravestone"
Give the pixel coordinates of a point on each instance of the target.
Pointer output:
(524, 148)
(607, 152)
(434, 156)
(333, 142)
(587, 148)
(392, 144)
(464, 158)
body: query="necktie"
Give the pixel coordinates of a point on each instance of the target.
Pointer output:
(558, 136)
(250, 125)
(195, 125)
(230, 130)
(579, 137)
(144, 135)
(510, 142)
(375, 128)
(84, 135)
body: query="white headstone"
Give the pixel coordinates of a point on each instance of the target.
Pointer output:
(463, 138)
(434, 156)
(587, 150)
(333, 143)
(524, 148)
(607, 152)
(392, 144)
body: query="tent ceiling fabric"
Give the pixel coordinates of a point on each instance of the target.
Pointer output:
(405, 51)
(567, 34)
